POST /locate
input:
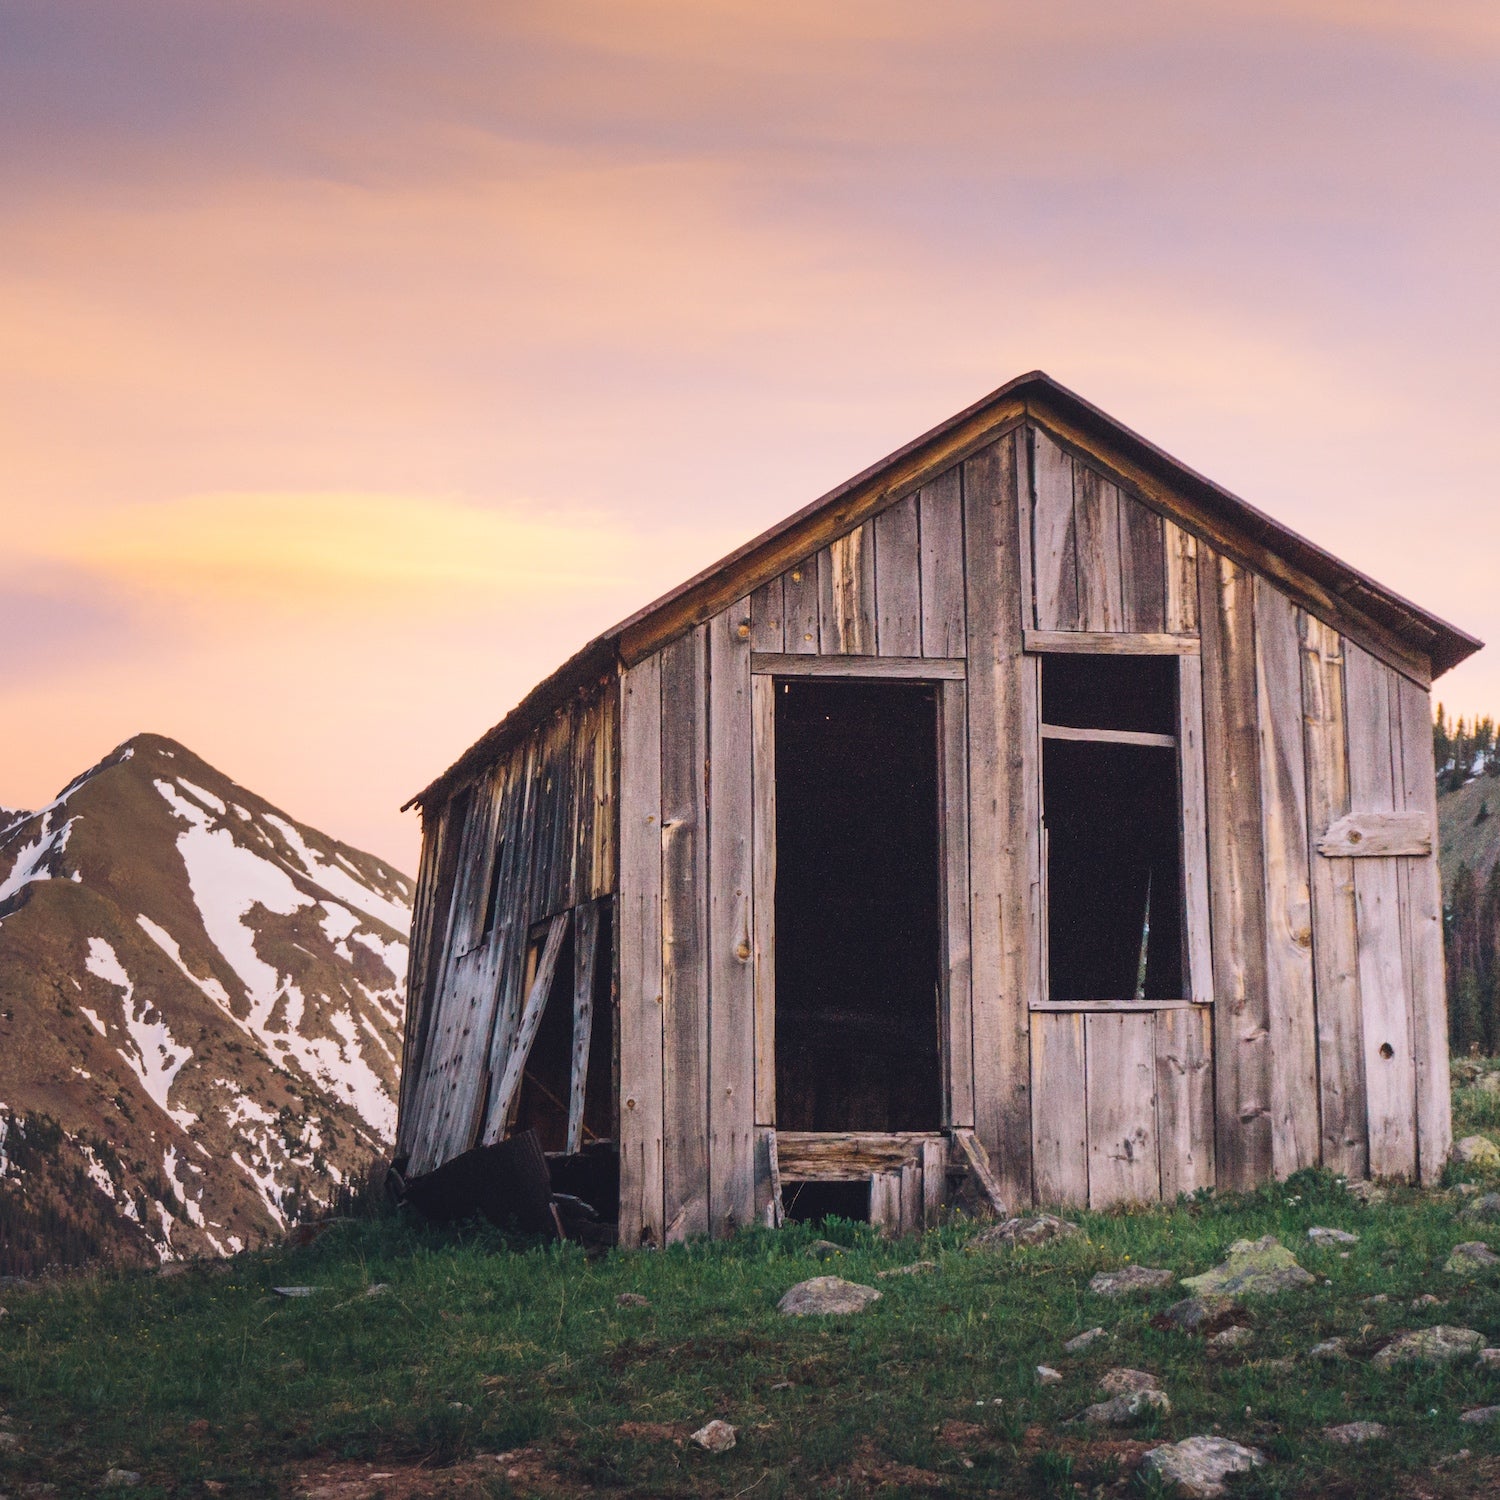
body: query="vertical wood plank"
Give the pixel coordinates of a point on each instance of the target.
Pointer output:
(1060, 1136)
(911, 1198)
(731, 971)
(767, 631)
(684, 921)
(934, 1182)
(585, 965)
(1197, 928)
(1096, 521)
(957, 1005)
(768, 1210)
(1341, 1066)
(885, 1203)
(941, 526)
(763, 896)
(799, 591)
(1003, 781)
(1424, 939)
(1180, 554)
(1242, 1055)
(1185, 1100)
(1054, 542)
(1390, 1077)
(640, 945)
(1143, 573)
(1120, 1063)
(846, 594)
(898, 587)
(1289, 962)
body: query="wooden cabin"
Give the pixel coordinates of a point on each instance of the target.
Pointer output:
(1029, 810)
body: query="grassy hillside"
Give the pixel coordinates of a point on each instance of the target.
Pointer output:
(208, 1381)
(1469, 829)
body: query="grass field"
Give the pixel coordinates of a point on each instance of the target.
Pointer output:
(209, 1382)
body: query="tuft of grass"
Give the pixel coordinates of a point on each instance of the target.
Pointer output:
(485, 1344)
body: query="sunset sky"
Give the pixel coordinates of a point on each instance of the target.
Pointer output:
(358, 361)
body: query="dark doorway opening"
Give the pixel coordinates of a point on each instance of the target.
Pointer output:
(857, 908)
(812, 1202)
(1112, 809)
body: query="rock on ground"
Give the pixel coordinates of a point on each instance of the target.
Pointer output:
(823, 1250)
(1080, 1342)
(1035, 1229)
(1123, 1381)
(1254, 1268)
(632, 1299)
(1329, 1349)
(1351, 1433)
(1200, 1465)
(1485, 1208)
(1365, 1192)
(1320, 1234)
(1121, 1411)
(1489, 1359)
(1199, 1314)
(826, 1294)
(1472, 1255)
(1428, 1346)
(1046, 1375)
(1230, 1338)
(1476, 1151)
(717, 1437)
(916, 1268)
(1480, 1414)
(120, 1479)
(1130, 1279)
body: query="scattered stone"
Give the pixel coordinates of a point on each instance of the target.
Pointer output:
(1485, 1208)
(1451, 1458)
(1428, 1346)
(1123, 1381)
(1478, 1414)
(8, 1441)
(717, 1437)
(824, 1250)
(296, 1291)
(1199, 1314)
(1472, 1255)
(1035, 1229)
(1378, 1300)
(1352, 1433)
(1489, 1359)
(1329, 1349)
(120, 1479)
(1489, 1083)
(1230, 1338)
(1427, 1300)
(1365, 1192)
(1200, 1465)
(1276, 1366)
(632, 1299)
(1082, 1341)
(1046, 1375)
(1465, 1189)
(1477, 1151)
(916, 1268)
(1130, 1279)
(826, 1295)
(1123, 1410)
(377, 1288)
(1324, 1237)
(1253, 1267)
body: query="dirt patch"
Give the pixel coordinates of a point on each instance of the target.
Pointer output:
(655, 1432)
(525, 1469)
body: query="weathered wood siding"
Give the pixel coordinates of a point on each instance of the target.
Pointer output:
(538, 828)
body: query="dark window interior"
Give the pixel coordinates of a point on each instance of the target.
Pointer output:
(492, 896)
(1113, 847)
(812, 1202)
(857, 935)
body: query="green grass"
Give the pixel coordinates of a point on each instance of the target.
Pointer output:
(210, 1376)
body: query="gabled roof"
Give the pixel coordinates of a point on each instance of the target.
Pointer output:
(1408, 637)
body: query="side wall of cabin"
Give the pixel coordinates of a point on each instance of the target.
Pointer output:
(527, 840)
(1313, 1029)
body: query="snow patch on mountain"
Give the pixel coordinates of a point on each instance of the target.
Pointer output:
(36, 860)
(346, 887)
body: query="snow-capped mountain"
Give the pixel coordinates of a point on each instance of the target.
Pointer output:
(200, 1014)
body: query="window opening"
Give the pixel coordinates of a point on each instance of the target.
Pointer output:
(492, 896)
(1112, 828)
(857, 907)
(542, 1104)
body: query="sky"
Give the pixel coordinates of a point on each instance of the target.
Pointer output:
(360, 361)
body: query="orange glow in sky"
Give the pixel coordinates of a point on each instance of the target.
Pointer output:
(359, 361)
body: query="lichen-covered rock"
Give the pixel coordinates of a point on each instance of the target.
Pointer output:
(1130, 1279)
(1428, 1346)
(716, 1436)
(1472, 1255)
(825, 1295)
(1199, 1314)
(1477, 1151)
(1351, 1433)
(1033, 1229)
(1321, 1235)
(1485, 1208)
(1123, 1410)
(1329, 1349)
(916, 1268)
(824, 1250)
(1079, 1342)
(1488, 1359)
(1046, 1375)
(632, 1299)
(1478, 1415)
(1256, 1268)
(1230, 1338)
(1200, 1465)
(1123, 1381)
(1364, 1192)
